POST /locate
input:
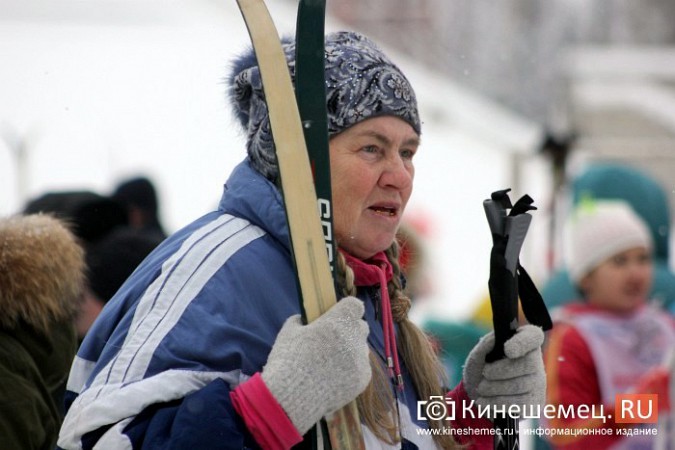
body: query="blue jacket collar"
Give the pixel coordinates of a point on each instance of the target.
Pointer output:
(249, 195)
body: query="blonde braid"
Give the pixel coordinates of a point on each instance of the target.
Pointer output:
(427, 373)
(344, 277)
(400, 303)
(377, 403)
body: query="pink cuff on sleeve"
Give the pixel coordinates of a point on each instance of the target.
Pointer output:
(477, 441)
(263, 415)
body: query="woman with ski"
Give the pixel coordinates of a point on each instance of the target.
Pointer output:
(203, 347)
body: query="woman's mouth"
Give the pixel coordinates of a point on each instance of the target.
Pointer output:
(384, 210)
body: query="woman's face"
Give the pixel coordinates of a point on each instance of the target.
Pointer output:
(372, 177)
(620, 283)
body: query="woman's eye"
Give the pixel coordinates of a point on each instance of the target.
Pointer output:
(619, 260)
(371, 151)
(407, 154)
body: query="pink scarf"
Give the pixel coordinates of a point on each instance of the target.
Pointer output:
(378, 270)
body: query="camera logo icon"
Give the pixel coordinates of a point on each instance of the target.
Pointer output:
(436, 408)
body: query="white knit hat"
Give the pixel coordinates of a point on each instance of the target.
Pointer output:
(598, 230)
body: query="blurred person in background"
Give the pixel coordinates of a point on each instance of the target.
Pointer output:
(91, 216)
(113, 248)
(139, 197)
(612, 181)
(110, 261)
(41, 281)
(613, 341)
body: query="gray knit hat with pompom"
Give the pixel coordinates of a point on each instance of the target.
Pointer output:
(361, 82)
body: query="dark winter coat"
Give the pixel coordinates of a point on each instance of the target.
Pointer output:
(41, 277)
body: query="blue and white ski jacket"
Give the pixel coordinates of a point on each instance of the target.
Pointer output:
(198, 317)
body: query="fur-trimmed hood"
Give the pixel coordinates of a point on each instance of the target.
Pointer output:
(41, 271)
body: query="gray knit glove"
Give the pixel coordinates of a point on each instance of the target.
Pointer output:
(316, 369)
(519, 379)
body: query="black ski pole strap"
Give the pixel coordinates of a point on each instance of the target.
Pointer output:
(532, 302)
(508, 281)
(503, 282)
(503, 287)
(533, 305)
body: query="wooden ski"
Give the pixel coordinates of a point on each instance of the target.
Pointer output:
(307, 241)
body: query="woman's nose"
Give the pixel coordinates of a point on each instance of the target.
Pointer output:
(397, 174)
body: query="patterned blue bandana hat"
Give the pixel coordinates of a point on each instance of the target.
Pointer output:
(361, 82)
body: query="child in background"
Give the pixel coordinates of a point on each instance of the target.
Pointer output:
(612, 341)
